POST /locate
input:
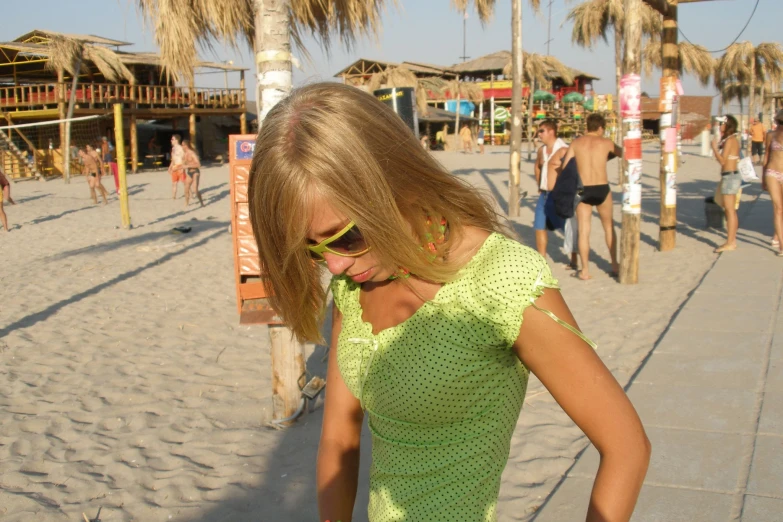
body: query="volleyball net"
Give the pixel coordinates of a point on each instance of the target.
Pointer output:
(30, 149)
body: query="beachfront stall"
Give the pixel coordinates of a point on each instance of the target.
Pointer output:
(36, 88)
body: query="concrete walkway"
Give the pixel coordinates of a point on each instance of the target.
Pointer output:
(711, 398)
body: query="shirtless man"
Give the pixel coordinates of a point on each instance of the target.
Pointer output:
(548, 159)
(592, 151)
(91, 168)
(177, 165)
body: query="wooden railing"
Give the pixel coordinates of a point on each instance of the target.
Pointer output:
(96, 95)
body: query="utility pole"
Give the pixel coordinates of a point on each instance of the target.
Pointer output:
(464, 56)
(629, 239)
(516, 107)
(667, 238)
(549, 27)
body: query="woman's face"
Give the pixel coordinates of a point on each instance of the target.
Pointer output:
(325, 223)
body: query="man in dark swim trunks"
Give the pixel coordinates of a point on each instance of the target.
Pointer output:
(592, 152)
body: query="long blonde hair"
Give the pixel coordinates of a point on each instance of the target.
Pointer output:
(353, 151)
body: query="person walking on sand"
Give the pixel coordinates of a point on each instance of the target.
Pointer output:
(480, 140)
(91, 170)
(772, 180)
(5, 187)
(757, 136)
(439, 316)
(177, 165)
(727, 152)
(467, 139)
(192, 172)
(548, 160)
(592, 152)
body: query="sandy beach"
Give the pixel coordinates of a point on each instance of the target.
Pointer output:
(130, 386)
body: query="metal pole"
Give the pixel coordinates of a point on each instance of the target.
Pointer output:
(119, 139)
(516, 108)
(549, 27)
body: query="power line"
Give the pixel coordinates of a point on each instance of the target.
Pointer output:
(735, 40)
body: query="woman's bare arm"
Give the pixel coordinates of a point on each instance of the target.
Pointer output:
(337, 472)
(590, 395)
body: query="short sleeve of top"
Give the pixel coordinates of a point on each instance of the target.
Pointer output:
(496, 286)
(501, 281)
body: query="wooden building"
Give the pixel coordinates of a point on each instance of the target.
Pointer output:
(694, 114)
(32, 90)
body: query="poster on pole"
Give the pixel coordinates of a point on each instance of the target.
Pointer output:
(631, 96)
(634, 172)
(670, 199)
(632, 198)
(668, 93)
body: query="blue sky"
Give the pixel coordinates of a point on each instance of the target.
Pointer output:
(428, 31)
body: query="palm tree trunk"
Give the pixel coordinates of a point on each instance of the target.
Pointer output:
(272, 48)
(68, 116)
(516, 108)
(618, 61)
(456, 125)
(273, 54)
(530, 135)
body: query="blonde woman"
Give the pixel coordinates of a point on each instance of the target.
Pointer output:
(727, 152)
(439, 317)
(192, 172)
(772, 180)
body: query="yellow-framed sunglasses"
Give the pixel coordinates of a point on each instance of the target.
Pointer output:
(348, 242)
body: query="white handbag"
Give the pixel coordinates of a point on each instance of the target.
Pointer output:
(746, 170)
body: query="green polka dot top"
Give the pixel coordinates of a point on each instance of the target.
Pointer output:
(443, 390)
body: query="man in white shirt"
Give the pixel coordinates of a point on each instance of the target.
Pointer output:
(548, 160)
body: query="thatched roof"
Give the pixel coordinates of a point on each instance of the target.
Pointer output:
(37, 58)
(495, 62)
(36, 35)
(485, 64)
(366, 67)
(436, 115)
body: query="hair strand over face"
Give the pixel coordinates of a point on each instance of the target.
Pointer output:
(334, 143)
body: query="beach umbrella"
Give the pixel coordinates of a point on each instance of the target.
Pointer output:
(573, 97)
(541, 96)
(588, 104)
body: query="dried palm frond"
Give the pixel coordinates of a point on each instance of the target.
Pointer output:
(392, 77)
(108, 63)
(64, 54)
(735, 62)
(693, 59)
(182, 25)
(766, 60)
(486, 8)
(542, 69)
(592, 20)
(471, 92)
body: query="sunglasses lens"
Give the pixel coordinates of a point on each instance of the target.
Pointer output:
(350, 243)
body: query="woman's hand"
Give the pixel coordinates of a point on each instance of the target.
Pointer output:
(578, 380)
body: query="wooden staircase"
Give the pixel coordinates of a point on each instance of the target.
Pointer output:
(15, 162)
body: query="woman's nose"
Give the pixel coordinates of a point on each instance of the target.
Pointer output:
(337, 264)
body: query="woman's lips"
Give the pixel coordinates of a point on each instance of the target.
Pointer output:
(362, 276)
